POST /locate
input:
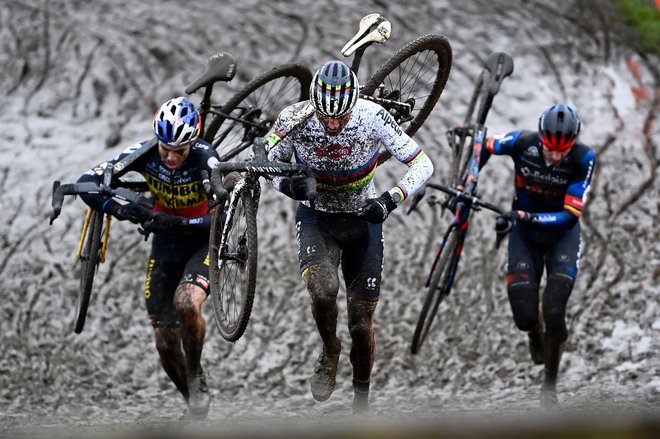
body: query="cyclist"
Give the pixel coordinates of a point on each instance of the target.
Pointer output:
(552, 179)
(341, 142)
(177, 281)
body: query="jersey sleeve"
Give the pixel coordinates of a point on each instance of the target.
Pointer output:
(283, 149)
(408, 152)
(94, 175)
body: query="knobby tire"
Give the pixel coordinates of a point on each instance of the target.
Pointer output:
(89, 262)
(233, 280)
(260, 101)
(439, 288)
(419, 71)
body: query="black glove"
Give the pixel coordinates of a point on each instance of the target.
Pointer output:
(297, 187)
(132, 212)
(506, 220)
(376, 210)
(162, 222)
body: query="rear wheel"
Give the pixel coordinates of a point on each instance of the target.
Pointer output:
(89, 262)
(233, 268)
(416, 74)
(254, 109)
(439, 287)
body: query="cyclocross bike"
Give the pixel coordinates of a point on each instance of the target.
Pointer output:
(245, 116)
(466, 142)
(408, 85)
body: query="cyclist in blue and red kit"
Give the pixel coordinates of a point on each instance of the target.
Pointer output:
(552, 178)
(177, 281)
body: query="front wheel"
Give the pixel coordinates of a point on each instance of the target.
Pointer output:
(416, 75)
(89, 262)
(252, 111)
(233, 266)
(439, 287)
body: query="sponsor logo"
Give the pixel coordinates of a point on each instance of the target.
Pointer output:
(334, 151)
(389, 120)
(532, 151)
(98, 169)
(201, 280)
(371, 283)
(537, 175)
(178, 195)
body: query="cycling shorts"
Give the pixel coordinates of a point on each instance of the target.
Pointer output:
(327, 239)
(530, 251)
(174, 261)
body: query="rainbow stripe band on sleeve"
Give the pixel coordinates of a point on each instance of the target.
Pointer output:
(414, 156)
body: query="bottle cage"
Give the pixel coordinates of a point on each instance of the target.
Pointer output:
(373, 28)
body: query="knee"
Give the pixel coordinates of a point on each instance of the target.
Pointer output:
(187, 301)
(361, 328)
(322, 284)
(523, 297)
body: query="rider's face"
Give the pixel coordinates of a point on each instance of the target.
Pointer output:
(334, 125)
(173, 157)
(554, 157)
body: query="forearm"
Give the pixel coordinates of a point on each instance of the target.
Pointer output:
(419, 171)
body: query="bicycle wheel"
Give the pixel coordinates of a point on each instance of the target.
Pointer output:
(254, 109)
(233, 269)
(416, 74)
(89, 262)
(439, 288)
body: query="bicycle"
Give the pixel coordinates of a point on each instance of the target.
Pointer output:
(394, 86)
(95, 233)
(466, 142)
(233, 241)
(242, 118)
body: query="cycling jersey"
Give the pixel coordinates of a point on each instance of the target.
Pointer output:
(554, 195)
(175, 191)
(344, 165)
(177, 256)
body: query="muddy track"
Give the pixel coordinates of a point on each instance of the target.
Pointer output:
(81, 80)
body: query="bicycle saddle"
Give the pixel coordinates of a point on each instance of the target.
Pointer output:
(500, 65)
(373, 28)
(221, 67)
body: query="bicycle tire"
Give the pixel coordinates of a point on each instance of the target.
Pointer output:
(262, 98)
(417, 71)
(439, 288)
(233, 280)
(89, 262)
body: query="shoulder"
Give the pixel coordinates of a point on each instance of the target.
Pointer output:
(583, 155)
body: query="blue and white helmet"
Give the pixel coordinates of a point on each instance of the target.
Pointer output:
(177, 122)
(334, 90)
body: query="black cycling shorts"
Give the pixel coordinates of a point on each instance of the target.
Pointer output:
(326, 239)
(530, 251)
(174, 261)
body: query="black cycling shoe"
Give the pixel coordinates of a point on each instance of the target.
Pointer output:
(322, 382)
(536, 345)
(199, 400)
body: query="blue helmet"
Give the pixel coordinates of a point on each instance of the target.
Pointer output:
(177, 122)
(559, 127)
(334, 90)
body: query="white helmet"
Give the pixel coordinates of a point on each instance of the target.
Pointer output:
(177, 122)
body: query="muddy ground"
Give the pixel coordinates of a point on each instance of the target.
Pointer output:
(80, 82)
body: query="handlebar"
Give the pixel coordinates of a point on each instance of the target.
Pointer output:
(466, 196)
(60, 190)
(260, 166)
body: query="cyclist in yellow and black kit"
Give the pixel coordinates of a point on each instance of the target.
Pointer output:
(177, 273)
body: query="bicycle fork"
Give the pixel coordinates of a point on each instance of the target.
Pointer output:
(106, 235)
